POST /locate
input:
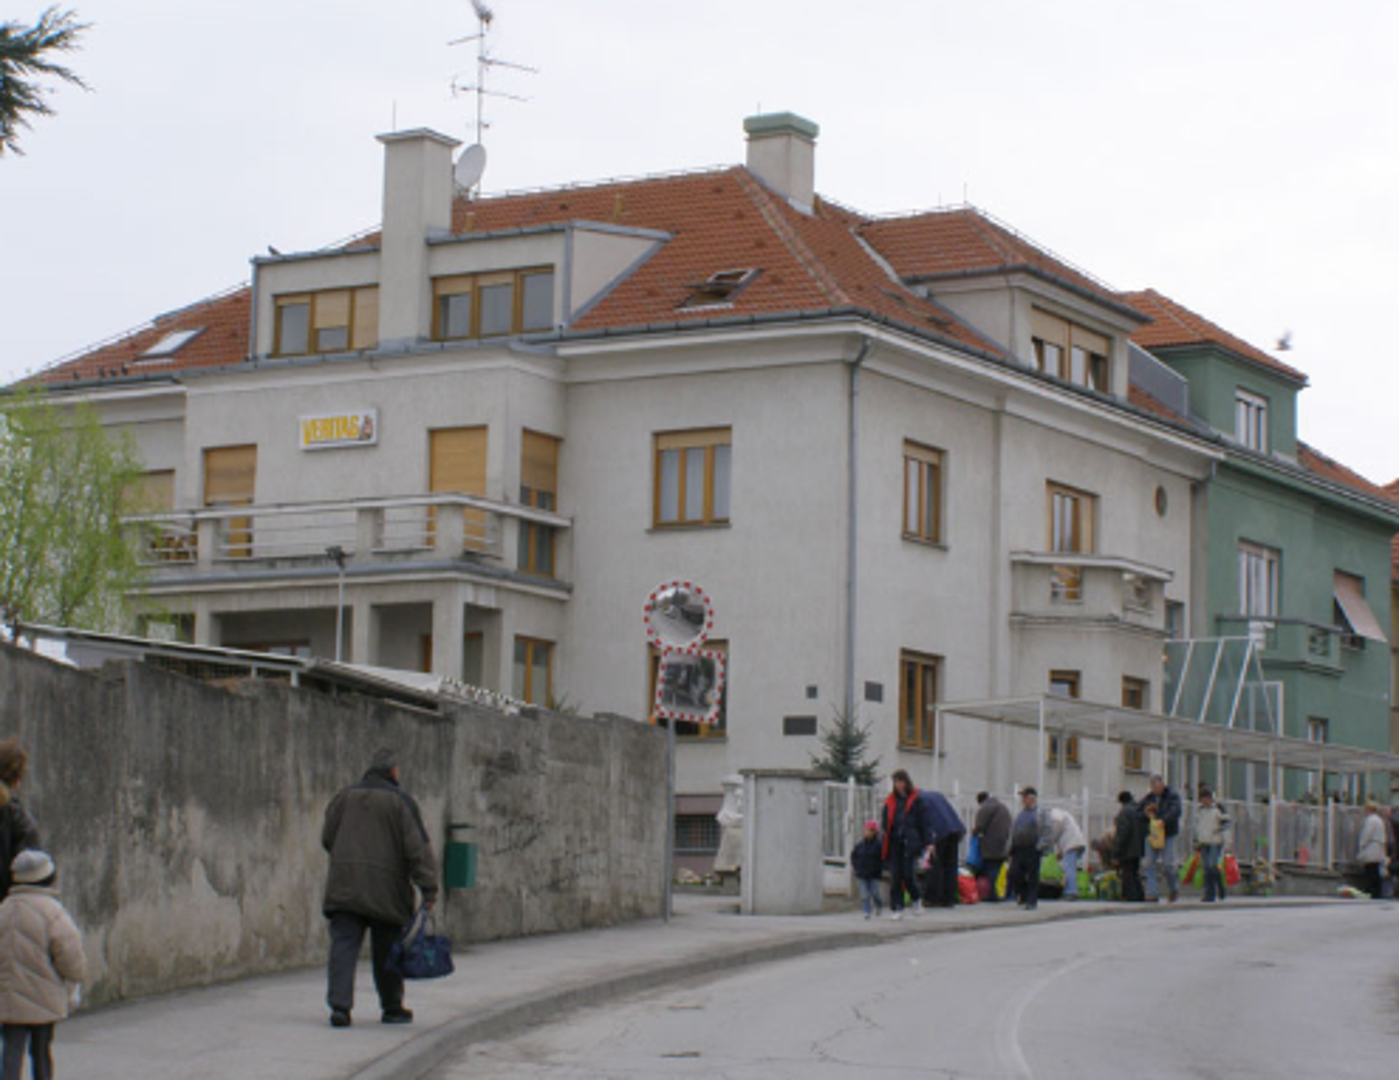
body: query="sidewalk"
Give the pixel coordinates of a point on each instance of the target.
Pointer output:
(278, 1025)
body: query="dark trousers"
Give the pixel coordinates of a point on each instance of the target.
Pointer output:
(1374, 880)
(346, 936)
(38, 1039)
(991, 870)
(942, 874)
(902, 876)
(1130, 875)
(1024, 881)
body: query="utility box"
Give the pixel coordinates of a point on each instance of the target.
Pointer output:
(783, 868)
(459, 872)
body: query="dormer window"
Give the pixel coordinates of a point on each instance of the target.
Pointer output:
(1071, 352)
(332, 321)
(492, 304)
(718, 290)
(1251, 421)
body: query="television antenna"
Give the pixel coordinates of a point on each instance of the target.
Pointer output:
(485, 63)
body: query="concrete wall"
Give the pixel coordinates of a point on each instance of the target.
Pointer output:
(186, 817)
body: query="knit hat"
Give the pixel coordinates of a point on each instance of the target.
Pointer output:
(872, 825)
(384, 759)
(31, 867)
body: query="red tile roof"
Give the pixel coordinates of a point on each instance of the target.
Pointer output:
(1176, 324)
(1328, 468)
(1392, 490)
(954, 243)
(1148, 403)
(222, 320)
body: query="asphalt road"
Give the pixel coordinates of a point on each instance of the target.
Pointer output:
(1202, 993)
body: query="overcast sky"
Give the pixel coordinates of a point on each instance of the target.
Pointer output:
(1240, 156)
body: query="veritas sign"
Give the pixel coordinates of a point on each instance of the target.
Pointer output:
(332, 430)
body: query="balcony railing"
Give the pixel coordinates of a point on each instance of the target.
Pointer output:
(1288, 640)
(1070, 585)
(411, 527)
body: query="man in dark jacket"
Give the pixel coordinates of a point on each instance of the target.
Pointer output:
(1164, 802)
(1128, 840)
(379, 849)
(992, 827)
(17, 829)
(906, 835)
(1029, 840)
(947, 832)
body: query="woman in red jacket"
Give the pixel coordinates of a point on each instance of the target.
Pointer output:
(906, 835)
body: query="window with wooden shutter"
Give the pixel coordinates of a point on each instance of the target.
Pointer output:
(230, 479)
(458, 465)
(539, 487)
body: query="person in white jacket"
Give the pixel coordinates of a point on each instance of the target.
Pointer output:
(1211, 826)
(1372, 853)
(41, 965)
(1069, 846)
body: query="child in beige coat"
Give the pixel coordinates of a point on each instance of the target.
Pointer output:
(41, 965)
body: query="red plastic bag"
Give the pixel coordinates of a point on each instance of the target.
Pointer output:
(985, 887)
(966, 889)
(1231, 871)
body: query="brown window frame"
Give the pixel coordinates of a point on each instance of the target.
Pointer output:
(526, 692)
(1066, 583)
(359, 319)
(1073, 680)
(685, 729)
(1067, 337)
(471, 284)
(1136, 694)
(534, 537)
(919, 462)
(918, 715)
(708, 439)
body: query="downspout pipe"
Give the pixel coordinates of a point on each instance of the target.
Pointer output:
(852, 533)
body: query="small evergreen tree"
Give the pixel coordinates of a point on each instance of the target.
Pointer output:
(25, 56)
(844, 744)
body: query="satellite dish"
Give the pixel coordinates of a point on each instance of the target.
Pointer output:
(470, 165)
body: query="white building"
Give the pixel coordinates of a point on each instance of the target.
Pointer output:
(900, 453)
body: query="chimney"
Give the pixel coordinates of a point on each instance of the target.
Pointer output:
(418, 193)
(782, 153)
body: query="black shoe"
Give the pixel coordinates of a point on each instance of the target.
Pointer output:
(398, 1016)
(339, 1018)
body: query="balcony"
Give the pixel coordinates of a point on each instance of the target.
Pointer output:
(407, 532)
(1067, 587)
(1287, 642)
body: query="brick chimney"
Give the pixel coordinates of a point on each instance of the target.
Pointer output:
(418, 195)
(782, 153)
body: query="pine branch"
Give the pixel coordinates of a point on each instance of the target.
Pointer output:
(24, 57)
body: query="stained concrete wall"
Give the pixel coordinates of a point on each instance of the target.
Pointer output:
(186, 816)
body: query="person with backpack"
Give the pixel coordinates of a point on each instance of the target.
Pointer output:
(907, 835)
(1162, 807)
(17, 829)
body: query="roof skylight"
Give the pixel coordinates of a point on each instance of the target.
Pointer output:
(718, 289)
(171, 343)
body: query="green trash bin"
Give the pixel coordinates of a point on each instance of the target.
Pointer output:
(460, 869)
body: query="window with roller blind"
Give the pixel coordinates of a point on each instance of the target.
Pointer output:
(539, 487)
(329, 321)
(1070, 351)
(457, 465)
(230, 479)
(693, 472)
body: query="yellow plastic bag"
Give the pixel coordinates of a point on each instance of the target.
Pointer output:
(1157, 837)
(1001, 883)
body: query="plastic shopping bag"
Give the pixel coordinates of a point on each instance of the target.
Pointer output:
(1193, 873)
(1001, 882)
(974, 853)
(1231, 871)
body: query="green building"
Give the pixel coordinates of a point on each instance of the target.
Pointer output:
(1295, 548)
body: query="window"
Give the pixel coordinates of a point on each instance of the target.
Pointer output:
(1175, 620)
(922, 493)
(533, 680)
(457, 465)
(1070, 351)
(539, 484)
(693, 470)
(1353, 614)
(1063, 684)
(1251, 420)
(696, 834)
(918, 696)
(230, 479)
(335, 320)
(718, 290)
(1316, 733)
(684, 729)
(1071, 516)
(1258, 581)
(1136, 694)
(170, 344)
(493, 304)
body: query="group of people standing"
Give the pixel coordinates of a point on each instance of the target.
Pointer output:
(919, 836)
(41, 951)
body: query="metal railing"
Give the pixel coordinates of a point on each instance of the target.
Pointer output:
(450, 525)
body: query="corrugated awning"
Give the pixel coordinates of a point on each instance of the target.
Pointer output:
(1362, 620)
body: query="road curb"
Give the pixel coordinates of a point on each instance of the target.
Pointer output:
(415, 1059)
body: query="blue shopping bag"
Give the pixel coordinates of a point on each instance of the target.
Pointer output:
(974, 853)
(420, 953)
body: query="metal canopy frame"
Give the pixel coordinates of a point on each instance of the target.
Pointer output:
(1051, 714)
